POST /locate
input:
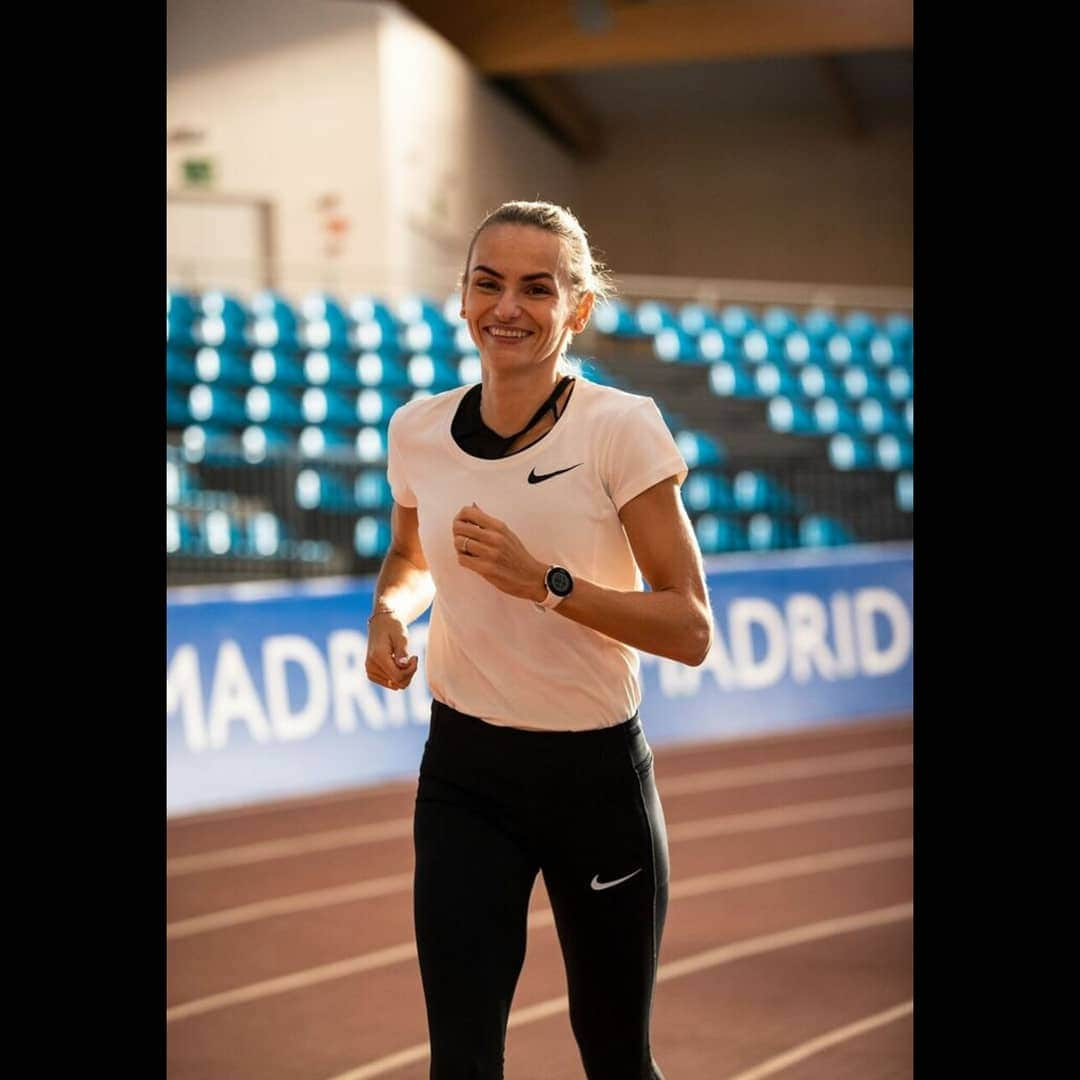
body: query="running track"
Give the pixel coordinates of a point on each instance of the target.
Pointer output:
(787, 950)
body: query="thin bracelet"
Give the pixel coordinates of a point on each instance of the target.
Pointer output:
(380, 611)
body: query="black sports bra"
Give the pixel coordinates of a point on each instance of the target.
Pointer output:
(476, 438)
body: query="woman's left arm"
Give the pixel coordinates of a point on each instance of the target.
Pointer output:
(674, 620)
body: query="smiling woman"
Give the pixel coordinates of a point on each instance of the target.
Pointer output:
(530, 507)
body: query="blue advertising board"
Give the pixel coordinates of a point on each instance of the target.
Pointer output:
(267, 696)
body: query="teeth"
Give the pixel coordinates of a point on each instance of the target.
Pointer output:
(499, 332)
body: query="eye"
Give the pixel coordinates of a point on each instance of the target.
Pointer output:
(539, 290)
(485, 283)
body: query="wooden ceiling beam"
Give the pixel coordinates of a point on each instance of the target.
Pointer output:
(502, 39)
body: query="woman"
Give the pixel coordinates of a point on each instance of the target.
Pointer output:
(525, 506)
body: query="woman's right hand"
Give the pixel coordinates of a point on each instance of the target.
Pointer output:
(388, 661)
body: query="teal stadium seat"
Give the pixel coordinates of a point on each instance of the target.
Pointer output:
(894, 452)
(799, 349)
(737, 321)
(714, 345)
(370, 445)
(431, 372)
(469, 370)
(717, 534)
(778, 323)
(772, 380)
(694, 319)
(652, 317)
(732, 380)
(367, 308)
(860, 328)
(909, 416)
(817, 381)
(699, 449)
(899, 383)
(277, 367)
(274, 325)
(318, 442)
(321, 406)
(376, 406)
(179, 323)
(860, 383)
(755, 490)
(847, 452)
(273, 405)
(819, 325)
(206, 442)
(758, 348)
(333, 369)
(817, 530)
(707, 491)
(218, 405)
(790, 417)
(767, 533)
(371, 536)
(673, 345)
(229, 367)
(463, 342)
(905, 492)
(318, 489)
(383, 372)
(372, 491)
(263, 535)
(876, 418)
(261, 443)
(831, 417)
(842, 351)
(179, 368)
(616, 319)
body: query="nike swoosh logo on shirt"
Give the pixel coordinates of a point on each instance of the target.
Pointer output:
(597, 884)
(539, 478)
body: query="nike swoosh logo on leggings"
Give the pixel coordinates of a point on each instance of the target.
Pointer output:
(597, 884)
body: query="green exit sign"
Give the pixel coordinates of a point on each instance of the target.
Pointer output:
(198, 172)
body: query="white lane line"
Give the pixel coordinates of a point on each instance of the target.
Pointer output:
(747, 775)
(725, 954)
(286, 905)
(823, 1042)
(395, 827)
(407, 950)
(796, 814)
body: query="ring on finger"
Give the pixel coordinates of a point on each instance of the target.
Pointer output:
(465, 546)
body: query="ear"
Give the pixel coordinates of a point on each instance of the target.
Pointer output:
(580, 318)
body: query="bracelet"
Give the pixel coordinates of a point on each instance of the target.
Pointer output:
(380, 611)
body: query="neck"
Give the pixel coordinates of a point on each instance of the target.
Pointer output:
(510, 398)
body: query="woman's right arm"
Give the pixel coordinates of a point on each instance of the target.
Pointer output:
(403, 591)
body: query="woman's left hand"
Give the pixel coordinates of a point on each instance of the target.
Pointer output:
(497, 555)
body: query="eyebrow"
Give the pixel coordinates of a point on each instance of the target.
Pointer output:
(524, 277)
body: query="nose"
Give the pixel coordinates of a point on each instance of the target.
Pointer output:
(507, 309)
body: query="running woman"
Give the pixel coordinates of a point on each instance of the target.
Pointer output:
(529, 507)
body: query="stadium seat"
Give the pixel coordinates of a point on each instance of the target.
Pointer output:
(179, 368)
(431, 372)
(277, 367)
(216, 304)
(817, 381)
(273, 405)
(366, 308)
(371, 536)
(790, 417)
(615, 318)
(267, 304)
(275, 324)
(819, 325)
(316, 443)
(732, 380)
(714, 345)
(226, 366)
(334, 370)
(894, 452)
(374, 336)
(798, 349)
(652, 317)
(325, 406)
(377, 406)
(179, 305)
(376, 370)
(909, 416)
(736, 321)
(372, 491)
(878, 419)
(323, 334)
(905, 492)
(816, 530)
(899, 383)
(217, 405)
(260, 443)
(758, 348)
(179, 538)
(755, 490)
(860, 383)
(778, 323)
(427, 337)
(717, 534)
(370, 445)
(319, 489)
(214, 331)
(898, 329)
(220, 533)
(204, 442)
(699, 449)
(847, 452)
(263, 535)
(320, 306)
(882, 351)
(703, 491)
(831, 417)
(860, 328)
(180, 314)
(694, 319)
(772, 380)
(416, 308)
(767, 533)
(674, 345)
(842, 351)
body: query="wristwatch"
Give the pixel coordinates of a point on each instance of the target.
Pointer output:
(560, 584)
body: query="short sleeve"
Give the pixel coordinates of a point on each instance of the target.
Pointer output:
(641, 452)
(395, 466)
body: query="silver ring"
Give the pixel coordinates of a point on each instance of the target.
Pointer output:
(465, 549)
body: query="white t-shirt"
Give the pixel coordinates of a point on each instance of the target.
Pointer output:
(499, 657)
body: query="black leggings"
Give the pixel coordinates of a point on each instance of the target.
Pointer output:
(495, 805)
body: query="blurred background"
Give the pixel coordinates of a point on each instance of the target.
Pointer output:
(745, 168)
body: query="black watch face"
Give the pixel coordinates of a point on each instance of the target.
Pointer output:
(559, 581)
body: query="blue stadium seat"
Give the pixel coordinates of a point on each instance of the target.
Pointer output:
(216, 405)
(894, 452)
(332, 369)
(759, 348)
(860, 383)
(882, 351)
(376, 370)
(374, 336)
(370, 445)
(832, 417)
(261, 443)
(178, 304)
(320, 306)
(842, 351)
(817, 381)
(615, 318)
(179, 368)
(321, 406)
(798, 349)
(318, 489)
(221, 534)
(317, 443)
(427, 337)
(767, 533)
(652, 317)
(736, 321)
(847, 452)
(900, 383)
(275, 324)
(699, 449)
(204, 442)
(367, 308)
(273, 405)
(717, 534)
(469, 370)
(755, 490)
(225, 366)
(674, 345)
(377, 406)
(267, 304)
(817, 530)
(431, 372)
(214, 331)
(732, 380)
(371, 491)
(216, 304)
(778, 323)
(860, 327)
(274, 366)
(714, 345)
(417, 308)
(263, 535)
(898, 328)
(179, 538)
(695, 318)
(323, 334)
(790, 417)
(905, 492)
(819, 325)
(707, 491)
(772, 380)
(878, 419)
(909, 416)
(371, 536)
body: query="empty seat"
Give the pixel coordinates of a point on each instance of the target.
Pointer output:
(317, 442)
(819, 325)
(699, 449)
(732, 380)
(203, 442)
(374, 336)
(755, 490)
(652, 317)
(221, 533)
(180, 313)
(427, 337)
(371, 536)
(179, 368)
(366, 308)
(275, 366)
(799, 349)
(264, 535)
(179, 536)
(376, 370)
(371, 491)
(832, 417)
(717, 534)
(736, 321)
(778, 322)
(894, 452)
(321, 405)
(275, 324)
(758, 348)
(318, 489)
(905, 492)
(416, 308)
(860, 383)
(882, 351)
(790, 417)
(876, 418)
(377, 406)
(261, 443)
(764, 532)
(909, 416)
(217, 405)
(860, 327)
(370, 445)
(332, 369)
(615, 318)
(843, 351)
(431, 372)
(817, 381)
(714, 345)
(226, 366)
(707, 491)
(323, 334)
(273, 405)
(899, 382)
(772, 380)
(672, 344)
(695, 318)
(898, 328)
(817, 530)
(847, 452)
(320, 306)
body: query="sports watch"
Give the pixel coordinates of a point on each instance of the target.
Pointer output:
(560, 584)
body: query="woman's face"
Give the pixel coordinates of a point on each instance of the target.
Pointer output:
(518, 300)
